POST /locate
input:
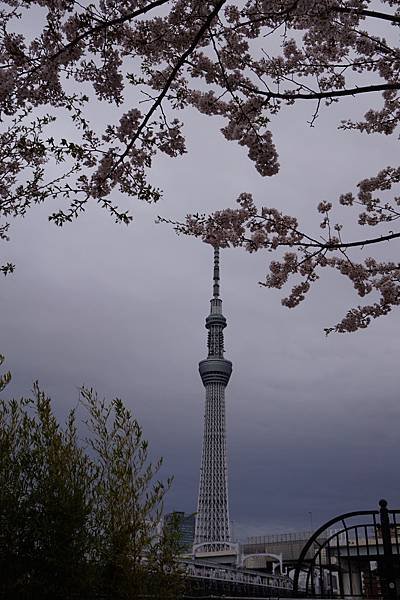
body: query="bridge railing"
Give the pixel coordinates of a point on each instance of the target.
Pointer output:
(214, 571)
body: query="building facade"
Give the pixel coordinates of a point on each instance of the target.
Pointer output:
(185, 524)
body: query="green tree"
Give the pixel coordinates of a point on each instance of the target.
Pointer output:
(46, 499)
(79, 519)
(6, 378)
(133, 555)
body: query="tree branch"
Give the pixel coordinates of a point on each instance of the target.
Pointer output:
(367, 242)
(106, 24)
(320, 95)
(340, 245)
(367, 13)
(338, 9)
(311, 243)
(170, 80)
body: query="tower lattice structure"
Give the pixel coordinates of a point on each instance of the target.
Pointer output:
(212, 519)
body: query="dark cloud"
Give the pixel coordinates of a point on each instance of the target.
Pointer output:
(312, 421)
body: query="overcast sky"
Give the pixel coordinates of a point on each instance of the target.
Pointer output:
(312, 422)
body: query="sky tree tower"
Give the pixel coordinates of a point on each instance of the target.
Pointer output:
(212, 519)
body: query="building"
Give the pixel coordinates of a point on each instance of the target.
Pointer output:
(212, 519)
(185, 524)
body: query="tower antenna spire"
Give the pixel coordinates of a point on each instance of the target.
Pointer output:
(216, 272)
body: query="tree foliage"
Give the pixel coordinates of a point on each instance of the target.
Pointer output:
(242, 61)
(80, 520)
(6, 377)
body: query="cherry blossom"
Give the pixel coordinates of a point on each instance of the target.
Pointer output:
(245, 61)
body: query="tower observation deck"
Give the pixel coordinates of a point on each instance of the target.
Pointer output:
(212, 518)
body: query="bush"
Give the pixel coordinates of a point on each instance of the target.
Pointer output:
(80, 519)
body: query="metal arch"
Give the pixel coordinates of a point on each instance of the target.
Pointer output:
(224, 545)
(319, 531)
(327, 541)
(326, 544)
(366, 540)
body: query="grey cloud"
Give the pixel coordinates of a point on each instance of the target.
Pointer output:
(312, 422)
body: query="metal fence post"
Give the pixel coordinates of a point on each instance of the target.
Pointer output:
(389, 580)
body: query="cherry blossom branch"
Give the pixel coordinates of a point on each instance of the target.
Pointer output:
(200, 54)
(321, 95)
(316, 244)
(383, 47)
(339, 9)
(188, 228)
(367, 242)
(174, 72)
(229, 87)
(367, 13)
(106, 24)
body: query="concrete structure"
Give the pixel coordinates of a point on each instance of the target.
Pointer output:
(289, 545)
(212, 518)
(354, 563)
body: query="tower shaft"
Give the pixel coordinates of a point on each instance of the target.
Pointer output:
(212, 519)
(212, 523)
